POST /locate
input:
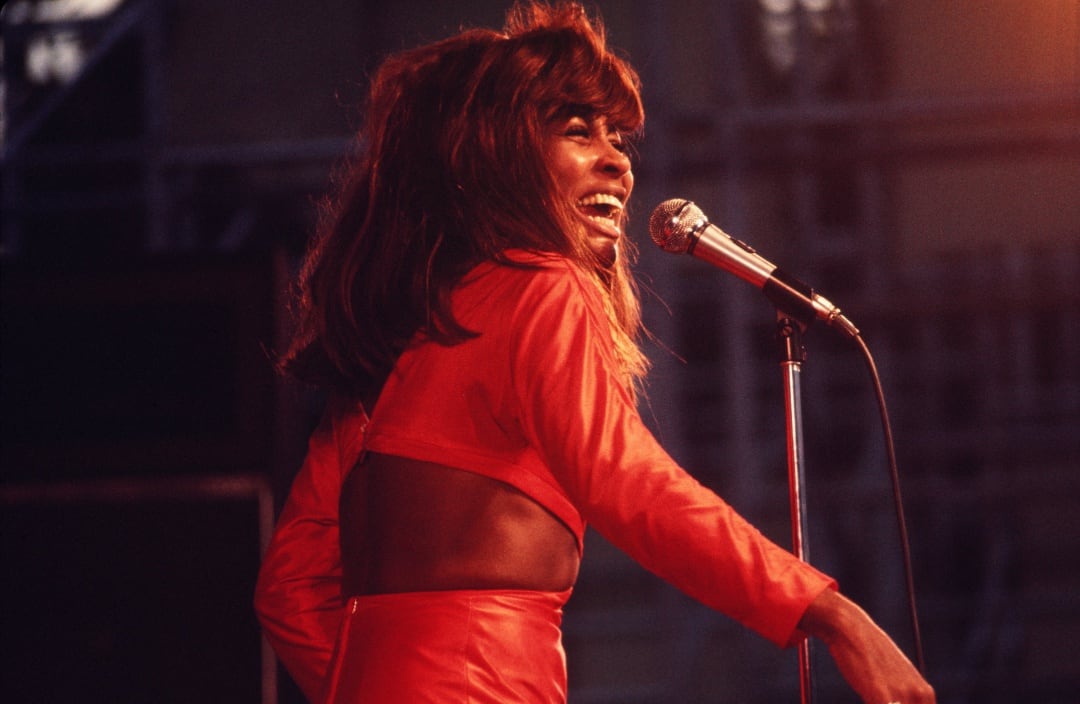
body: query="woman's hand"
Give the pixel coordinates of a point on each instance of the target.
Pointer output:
(865, 655)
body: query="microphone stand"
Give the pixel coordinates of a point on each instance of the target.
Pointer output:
(792, 355)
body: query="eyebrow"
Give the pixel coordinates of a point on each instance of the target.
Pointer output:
(591, 115)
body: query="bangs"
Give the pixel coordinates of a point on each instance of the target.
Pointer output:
(564, 59)
(611, 92)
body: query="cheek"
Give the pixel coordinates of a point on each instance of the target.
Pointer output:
(563, 181)
(566, 168)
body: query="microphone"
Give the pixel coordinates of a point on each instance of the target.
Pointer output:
(679, 226)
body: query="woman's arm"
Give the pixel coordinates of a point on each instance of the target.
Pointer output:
(633, 492)
(298, 593)
(576, 410)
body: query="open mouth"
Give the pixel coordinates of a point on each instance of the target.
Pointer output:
(603, 210)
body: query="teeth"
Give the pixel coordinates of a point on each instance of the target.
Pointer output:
(603, 201)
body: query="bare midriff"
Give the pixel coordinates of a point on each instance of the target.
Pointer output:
(408, 526)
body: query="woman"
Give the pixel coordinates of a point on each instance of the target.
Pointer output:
(470, 287)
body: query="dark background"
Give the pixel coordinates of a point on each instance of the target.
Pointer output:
(917, 161)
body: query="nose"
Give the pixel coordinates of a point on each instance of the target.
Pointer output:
(613, 161)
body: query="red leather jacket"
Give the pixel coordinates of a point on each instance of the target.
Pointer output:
(536, 400)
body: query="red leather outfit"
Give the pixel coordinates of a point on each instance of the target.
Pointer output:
(535, 401)
(490, 645)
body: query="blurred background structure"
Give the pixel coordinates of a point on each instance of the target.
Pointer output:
(917, 161)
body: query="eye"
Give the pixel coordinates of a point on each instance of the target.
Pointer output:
(577, 128)
(621, 142)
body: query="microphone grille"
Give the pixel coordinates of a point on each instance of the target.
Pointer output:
(673, 223)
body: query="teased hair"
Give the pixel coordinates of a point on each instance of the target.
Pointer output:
(451, 172)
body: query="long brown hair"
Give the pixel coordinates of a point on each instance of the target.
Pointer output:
(451, 172)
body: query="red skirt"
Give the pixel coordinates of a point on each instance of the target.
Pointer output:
(484, 646)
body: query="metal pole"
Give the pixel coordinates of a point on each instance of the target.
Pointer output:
(789, 334)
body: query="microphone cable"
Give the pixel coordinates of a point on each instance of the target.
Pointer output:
(894, 476)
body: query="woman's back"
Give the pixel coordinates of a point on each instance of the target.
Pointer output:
(409, 525)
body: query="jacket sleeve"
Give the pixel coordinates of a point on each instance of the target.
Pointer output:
(298, 593)
(575, 407)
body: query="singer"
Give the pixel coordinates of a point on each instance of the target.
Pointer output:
(468, 303)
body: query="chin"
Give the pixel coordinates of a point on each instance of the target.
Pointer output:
(607, 251)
